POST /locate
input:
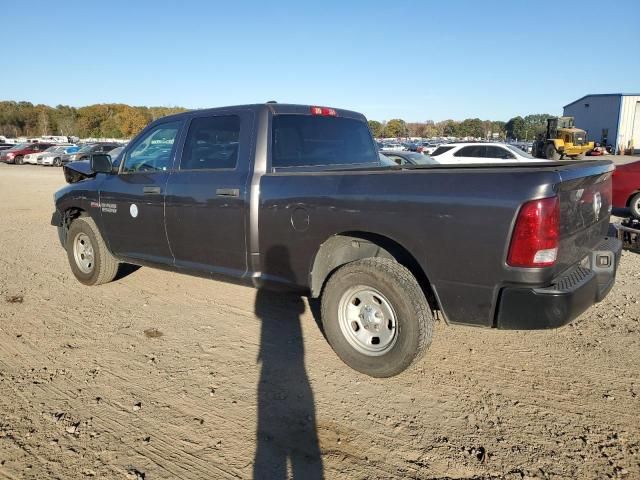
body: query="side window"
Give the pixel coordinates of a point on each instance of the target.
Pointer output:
(212, 143)
(470, 151)
(152, 152)
(498, 152)
(440, 150)
(396, 159)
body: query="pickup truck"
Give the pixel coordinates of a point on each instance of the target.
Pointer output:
(295, 198)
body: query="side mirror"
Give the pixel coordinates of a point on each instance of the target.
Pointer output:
(100, 163)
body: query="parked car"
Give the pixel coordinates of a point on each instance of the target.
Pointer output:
(427, 148)
(409, 158)
(17, 153)
(53, 155)
(481, 152)
(393, 146)
(295, 198)
(626, 187)
(86, 150)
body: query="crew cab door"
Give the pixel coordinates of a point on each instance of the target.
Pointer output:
(132, 202)
(207, 194)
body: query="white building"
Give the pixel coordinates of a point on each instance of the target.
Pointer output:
(612, 118)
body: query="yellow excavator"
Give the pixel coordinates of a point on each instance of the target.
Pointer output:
(562, 139)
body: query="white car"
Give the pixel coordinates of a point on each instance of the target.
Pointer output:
(31, 158)
(481, 152)
(53, 155)
(386, 147)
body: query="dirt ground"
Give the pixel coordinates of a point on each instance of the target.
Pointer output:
(160, 375)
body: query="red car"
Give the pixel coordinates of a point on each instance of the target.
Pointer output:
(626, 187)
(17, 153)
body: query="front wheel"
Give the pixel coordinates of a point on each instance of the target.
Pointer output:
(634, 205)
(90, 260)
(551, 153)
(19, 160)
(57, 162)
(376, 317)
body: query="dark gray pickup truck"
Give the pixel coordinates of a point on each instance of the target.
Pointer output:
(295, 198)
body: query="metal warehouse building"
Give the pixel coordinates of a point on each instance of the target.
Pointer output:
(612, 118)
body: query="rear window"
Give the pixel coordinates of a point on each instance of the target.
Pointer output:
(305, 141)
(440, 150)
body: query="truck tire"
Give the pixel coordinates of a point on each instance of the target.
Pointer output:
(634, 205)
(90, 260)
(376, 317)
(550, 152)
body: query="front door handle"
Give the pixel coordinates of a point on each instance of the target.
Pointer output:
(150, 190)
(228, 192)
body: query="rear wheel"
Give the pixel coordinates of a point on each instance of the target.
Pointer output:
(376, 317)
(550, 152)
(634, 205)
(90, 260)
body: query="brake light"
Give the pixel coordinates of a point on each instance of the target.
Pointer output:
(536, 234)
(323, 111)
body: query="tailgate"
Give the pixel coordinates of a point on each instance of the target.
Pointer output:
(585, 207)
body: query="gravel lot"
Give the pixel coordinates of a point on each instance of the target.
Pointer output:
(160, 375)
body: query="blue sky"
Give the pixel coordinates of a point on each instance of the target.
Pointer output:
(415, 60)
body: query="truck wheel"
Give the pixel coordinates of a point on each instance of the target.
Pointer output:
(90, 260)
(634, 205)
(376, 317)
(551, 153)
(19, 160)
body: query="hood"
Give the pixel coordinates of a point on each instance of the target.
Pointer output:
(77, 171)
(629, 167)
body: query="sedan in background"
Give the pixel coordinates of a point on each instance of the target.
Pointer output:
(86, 150)
(17, 153)
(481, 153)
(53, 155)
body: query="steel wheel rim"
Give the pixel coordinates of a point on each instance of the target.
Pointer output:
(83, 253)
(367, 320)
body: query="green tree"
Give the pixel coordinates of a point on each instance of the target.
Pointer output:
(516, 128)
(376, 128)
(395, 128)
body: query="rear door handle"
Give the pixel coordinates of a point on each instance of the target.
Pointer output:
(228, 192)
(150, 190)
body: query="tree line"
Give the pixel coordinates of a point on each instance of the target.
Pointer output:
(117, 120)
(107, 120)
(521, 128)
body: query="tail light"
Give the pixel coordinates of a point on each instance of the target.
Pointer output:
(536, 234)
(323, 111)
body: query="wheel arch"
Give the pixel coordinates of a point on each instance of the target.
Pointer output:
(348, 247)
(631, 195)
(69, 214)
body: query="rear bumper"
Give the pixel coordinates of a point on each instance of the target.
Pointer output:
(566, 298)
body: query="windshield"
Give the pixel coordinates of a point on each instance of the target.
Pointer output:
(20, 146)
(519, 152)
(420, 158)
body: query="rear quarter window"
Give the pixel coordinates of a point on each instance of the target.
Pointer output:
(440, 150)
(306, 141)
